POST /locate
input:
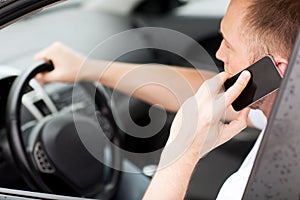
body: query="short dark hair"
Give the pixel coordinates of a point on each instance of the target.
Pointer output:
(273, 24)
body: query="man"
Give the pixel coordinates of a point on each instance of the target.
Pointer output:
(251, 29)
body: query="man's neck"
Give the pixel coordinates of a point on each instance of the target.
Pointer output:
(267, 107)
(267, 112)
(268, 103)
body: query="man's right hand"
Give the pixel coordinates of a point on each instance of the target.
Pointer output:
(67, 64)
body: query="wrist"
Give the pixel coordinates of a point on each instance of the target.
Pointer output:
(91, 70)
(189, 159)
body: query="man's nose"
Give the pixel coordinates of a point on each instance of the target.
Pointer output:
(220, 53)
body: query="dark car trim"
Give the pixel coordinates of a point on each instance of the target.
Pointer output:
(12, 10)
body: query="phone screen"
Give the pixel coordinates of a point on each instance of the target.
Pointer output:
(265, 78)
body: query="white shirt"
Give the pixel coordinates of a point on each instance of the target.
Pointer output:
(235, 185)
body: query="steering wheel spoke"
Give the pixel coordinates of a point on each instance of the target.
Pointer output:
(37, 101)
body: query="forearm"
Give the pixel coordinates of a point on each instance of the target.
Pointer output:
(171, 182)
(161, 85)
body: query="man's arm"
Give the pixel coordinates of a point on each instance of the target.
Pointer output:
(195, 131)
(166, 86)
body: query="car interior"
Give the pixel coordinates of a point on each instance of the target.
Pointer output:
(42, 128)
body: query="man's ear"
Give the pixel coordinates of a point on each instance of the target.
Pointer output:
(281, 64)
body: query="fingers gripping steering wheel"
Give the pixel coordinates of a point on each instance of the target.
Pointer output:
(55, 160)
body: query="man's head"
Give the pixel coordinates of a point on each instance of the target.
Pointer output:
(252, 29)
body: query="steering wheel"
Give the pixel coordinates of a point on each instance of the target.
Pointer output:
(54, 159)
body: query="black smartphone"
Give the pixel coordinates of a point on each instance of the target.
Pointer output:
(265, 78)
